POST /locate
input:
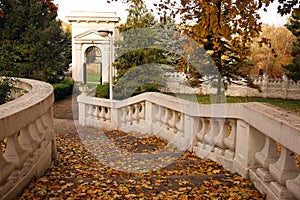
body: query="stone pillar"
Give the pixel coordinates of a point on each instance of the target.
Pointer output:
(82, 114)
(248, 142)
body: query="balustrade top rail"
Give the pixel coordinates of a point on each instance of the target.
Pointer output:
(16, 114)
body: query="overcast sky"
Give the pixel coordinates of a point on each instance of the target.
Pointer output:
(66, 6)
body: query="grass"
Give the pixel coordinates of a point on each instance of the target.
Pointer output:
(288, 104)
(93, 77)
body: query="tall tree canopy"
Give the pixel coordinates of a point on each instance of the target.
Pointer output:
(134, 74)
(33, 45)
(226, 30)
(294, 67)
(268, 59)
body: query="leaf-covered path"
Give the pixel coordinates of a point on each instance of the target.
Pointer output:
(80, 174)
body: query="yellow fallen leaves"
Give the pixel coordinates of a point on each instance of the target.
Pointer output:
(80, 176)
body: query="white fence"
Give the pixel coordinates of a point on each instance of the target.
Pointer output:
(241, 137)
(27, 140)
(270, 87)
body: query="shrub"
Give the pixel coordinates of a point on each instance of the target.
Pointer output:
(150, 87)
(5, 90)
(102, 91)
(63, 89)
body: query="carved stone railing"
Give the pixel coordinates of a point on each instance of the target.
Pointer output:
(244, 137)
(27, 139)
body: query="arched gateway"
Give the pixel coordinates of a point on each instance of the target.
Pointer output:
(91, 50)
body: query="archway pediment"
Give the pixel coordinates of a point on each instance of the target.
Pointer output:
(90, 35)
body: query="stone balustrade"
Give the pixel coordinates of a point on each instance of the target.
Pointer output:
(27, 139)
(256, 140)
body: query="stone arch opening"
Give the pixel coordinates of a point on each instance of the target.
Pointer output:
(93, 64)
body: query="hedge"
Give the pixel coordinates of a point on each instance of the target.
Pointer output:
(63, 89)
(102, 91)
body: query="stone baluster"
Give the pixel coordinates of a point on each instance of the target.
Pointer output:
(48, 126)
(294, 186)
(201, 149)
(100, 113)
(213, 131)
(230, 141)
(107, 114)
(123, 116)
(34, 132)
(141, 111)
(14, 152)
(203, 128)
(284, 169)
(47, 121)
(171, 123)
(135, 114)
(6, 168)
(26, 140)
(226, 157)
(166, 117)
(268, 155)
(95, 112)
(157, 114)
(129, 115)
(223, 133)
(180, 123)
(42, 129)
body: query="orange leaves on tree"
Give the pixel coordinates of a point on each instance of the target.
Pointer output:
(52, 8)
(1, 13)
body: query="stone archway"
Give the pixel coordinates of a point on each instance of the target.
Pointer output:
(93, 64)
(87, 41)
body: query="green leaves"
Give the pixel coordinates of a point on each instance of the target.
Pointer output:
(294, 67)
(33, 45)
(6, 85)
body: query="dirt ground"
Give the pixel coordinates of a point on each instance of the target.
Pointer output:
(63, 109)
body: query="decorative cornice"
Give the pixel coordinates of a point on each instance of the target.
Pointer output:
(87, 17)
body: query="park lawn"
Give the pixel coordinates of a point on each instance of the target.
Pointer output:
(288, 104)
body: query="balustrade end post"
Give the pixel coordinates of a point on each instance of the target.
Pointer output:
(248, 142)
(115, 116)
(82, 113)
(148, 115)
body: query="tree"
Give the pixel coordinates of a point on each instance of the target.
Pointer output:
(294, 67)
(268, 59)
(226, 30)
(6, 85)
(33, 45)
(132, 52)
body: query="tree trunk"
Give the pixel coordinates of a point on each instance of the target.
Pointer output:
(219, 89)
